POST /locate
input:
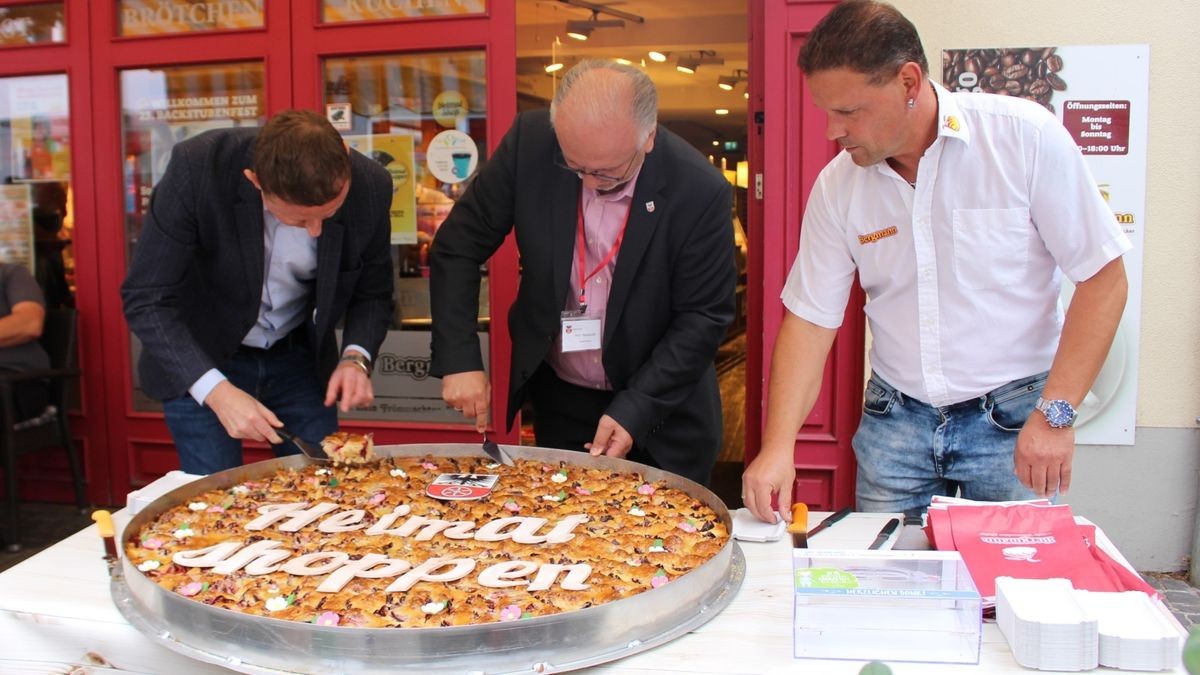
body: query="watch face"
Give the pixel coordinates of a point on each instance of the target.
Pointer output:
(1059, 413)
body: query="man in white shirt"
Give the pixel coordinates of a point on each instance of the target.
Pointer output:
(957, 211)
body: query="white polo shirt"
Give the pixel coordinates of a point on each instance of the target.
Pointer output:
(962, 273)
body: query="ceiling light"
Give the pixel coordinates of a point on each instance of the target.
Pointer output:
(689, 62)
(728, 82)
(556, 66)
(580, 29)
(657, 56)
(624, 62)
(716, 142)
(722, 111)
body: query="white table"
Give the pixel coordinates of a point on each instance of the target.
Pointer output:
(56, 616)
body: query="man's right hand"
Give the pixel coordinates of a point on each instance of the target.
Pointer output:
(242, 415)
(470, 393)
(769, 474)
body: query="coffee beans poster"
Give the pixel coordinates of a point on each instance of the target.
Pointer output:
(1100, 94)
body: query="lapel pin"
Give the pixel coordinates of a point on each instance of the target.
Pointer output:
(650, 207)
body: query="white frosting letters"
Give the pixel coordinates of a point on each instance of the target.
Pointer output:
(426, 571)
(498, 575)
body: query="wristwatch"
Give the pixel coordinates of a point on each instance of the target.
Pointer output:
(1059, 413)
(359, 360)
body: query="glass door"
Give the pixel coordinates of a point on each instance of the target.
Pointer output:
(430, 113)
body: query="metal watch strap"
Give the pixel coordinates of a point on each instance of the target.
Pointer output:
(359, 360)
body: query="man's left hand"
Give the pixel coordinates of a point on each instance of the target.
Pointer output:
(1042, 458)
(350, 385)
(611, 439)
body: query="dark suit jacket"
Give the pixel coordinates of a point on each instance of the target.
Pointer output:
(672, 293)
(196, 279)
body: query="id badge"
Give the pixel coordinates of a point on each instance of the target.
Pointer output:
(580, 333)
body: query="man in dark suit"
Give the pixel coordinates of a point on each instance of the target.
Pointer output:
(627, 277)
(256, 244)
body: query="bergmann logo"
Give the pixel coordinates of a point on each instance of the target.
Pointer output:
(416, 367)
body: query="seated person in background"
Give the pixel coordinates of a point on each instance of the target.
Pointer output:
(22, 313)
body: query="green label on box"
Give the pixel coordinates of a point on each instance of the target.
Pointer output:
(825, 577)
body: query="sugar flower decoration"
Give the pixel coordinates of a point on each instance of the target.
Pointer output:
(559, 476)
(192, 588)
(510, 613)
(278, 602)
(434, 607)
(198, 506)
(636, 510)
(510, 505)
(646, 489)
(398, 473)
(659, 578)
(327, 619)
(149, 565)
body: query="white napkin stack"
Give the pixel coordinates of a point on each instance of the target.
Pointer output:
(1044, 625)
(1134, 634)
(1051, 626)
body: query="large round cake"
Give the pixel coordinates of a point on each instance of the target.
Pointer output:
(367, 546)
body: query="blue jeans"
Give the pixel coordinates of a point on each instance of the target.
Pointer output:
(909, 451)
(283, 379)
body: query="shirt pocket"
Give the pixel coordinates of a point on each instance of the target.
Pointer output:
(991, 247)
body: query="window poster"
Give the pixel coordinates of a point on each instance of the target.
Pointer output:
(1101, 95)
(395, 153)
(16, 225)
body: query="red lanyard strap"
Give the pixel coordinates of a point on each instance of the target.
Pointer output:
(581, 248)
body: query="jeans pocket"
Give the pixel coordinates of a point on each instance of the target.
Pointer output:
(1010, 410)
(878, 400)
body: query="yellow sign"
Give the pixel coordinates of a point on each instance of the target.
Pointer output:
(448, 108)
(395, 153)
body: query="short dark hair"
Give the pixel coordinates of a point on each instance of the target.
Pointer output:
(868, 37)
(301, 159)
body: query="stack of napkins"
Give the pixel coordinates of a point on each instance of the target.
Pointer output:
(1051, 626)
(1044, 625)
(1134, 634)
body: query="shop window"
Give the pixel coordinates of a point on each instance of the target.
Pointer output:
(161, 107)
(346, 11)
(423, 117)
(36, 208)
(37, 23)
(172, 17)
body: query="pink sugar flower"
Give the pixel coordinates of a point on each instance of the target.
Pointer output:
(658, 580)
(216, 509)
(153, 543)
(582, 491)
(429, 465)
(510, 505)
(327, 619)
(687, 526)
(510, 613)
(646, 489)
(191, 588)
(378, 497)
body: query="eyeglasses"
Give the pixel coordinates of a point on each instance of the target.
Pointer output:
(560, 162)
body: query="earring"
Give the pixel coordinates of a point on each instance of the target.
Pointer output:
(911, 104)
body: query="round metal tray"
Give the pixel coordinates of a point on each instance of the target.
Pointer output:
(546, 644)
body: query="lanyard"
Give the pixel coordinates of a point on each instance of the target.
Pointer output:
(581, 246)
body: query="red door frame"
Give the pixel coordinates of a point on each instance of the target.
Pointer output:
(291, 45)
(47, 477)
(139, 447)
(789, 148)
(495, 34)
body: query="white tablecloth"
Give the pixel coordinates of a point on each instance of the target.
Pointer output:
(56, 616)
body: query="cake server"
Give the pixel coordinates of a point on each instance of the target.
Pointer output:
(495, 452)
(313, 453)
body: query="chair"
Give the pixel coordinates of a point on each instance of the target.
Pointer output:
(50, 428)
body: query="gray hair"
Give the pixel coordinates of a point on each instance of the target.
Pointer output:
(606, 95)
